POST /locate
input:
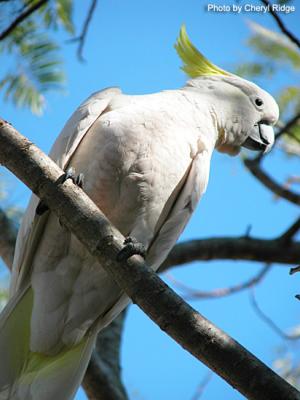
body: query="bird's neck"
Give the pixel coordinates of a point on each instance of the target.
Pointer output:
(208, 114)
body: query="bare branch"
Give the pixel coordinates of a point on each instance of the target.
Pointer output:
(263, 316)
(81, 39)
(255, 169)
(20, 18)
(179, 320)
(232, 248)
(8, 235)
(289, 182)
(192, 294)
(281, 25)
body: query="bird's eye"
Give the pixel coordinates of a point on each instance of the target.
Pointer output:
(259, 102)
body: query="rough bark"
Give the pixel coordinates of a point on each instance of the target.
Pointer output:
(234, 248)
(180, 321)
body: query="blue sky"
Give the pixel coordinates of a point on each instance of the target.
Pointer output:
(130, 44)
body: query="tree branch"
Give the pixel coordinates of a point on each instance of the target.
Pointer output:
(192, 294)
(255, 169)
(280, 23)
(8, 235)
(233, 248)
(20, 18)
(267, 320)
(81, 39)
(102, 380)
(179, 320)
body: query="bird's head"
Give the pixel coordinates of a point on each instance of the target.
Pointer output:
(243, 113)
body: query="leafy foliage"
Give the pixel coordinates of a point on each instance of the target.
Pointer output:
(59, 14)
(274, 45)
(255, 69)
(37, 65)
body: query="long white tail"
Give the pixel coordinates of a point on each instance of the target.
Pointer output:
(25, 375)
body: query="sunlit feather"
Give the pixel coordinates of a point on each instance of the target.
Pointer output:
(194, 62)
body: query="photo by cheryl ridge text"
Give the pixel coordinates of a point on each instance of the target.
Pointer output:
(250, 8)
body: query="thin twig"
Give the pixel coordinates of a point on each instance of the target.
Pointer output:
(254, 167)
(281, 25)
(192, 294)
(81, 39)
(21, 18)
(289, 182)
(264, 317)
(202, 386)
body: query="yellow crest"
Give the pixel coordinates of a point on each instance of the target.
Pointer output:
(194, 62)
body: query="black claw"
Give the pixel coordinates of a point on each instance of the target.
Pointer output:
(131, 247)
(41, 208)
(70, 174)
(79, 181)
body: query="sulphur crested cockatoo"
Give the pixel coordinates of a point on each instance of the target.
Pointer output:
(146, 163)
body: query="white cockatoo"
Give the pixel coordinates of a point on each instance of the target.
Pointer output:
(146, 164)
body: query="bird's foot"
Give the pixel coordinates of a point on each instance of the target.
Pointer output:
(78, 180)
(131, 247)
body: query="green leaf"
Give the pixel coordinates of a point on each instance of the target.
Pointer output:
(294, 132)
(38, 68)
(254, 69)
(65, 13)
(22, 92)
(288, 96)
(59, 13)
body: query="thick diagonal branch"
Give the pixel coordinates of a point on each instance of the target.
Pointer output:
(190, 329)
